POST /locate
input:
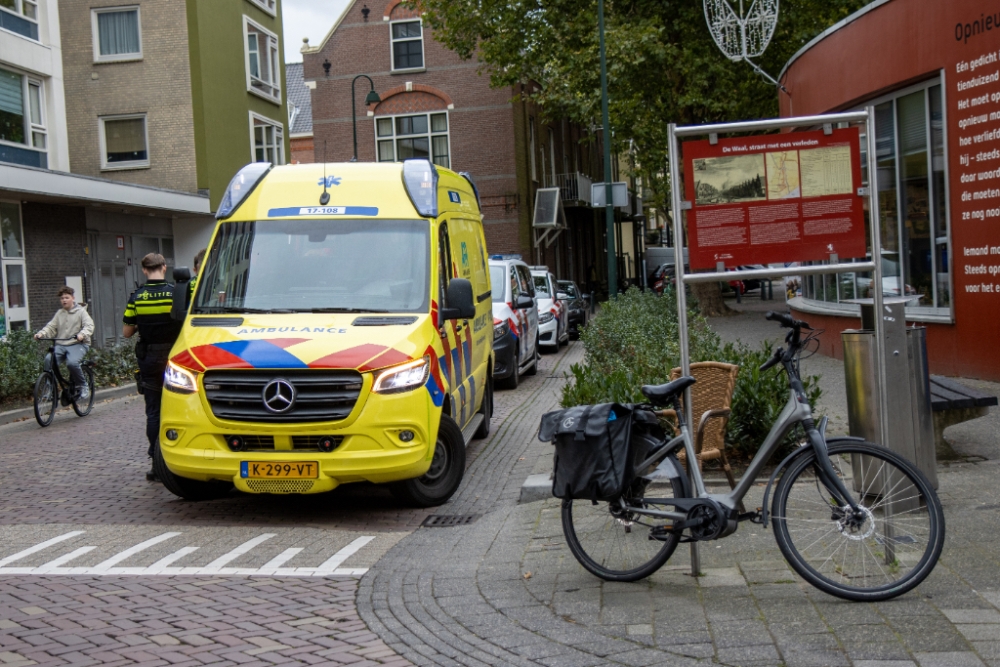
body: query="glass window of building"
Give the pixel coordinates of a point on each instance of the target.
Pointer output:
(13, 290)
(262, 62)
(20, 16)
(124, 142)
(268, 140)
(422, 135)
(22, 120)
(407, 45)
(117, 35)
(268, 6)
(913, 207)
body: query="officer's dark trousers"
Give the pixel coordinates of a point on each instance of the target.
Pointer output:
(151, 369)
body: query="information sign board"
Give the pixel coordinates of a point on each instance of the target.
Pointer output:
(774, 198)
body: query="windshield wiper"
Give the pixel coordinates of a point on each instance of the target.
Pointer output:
(345, 310)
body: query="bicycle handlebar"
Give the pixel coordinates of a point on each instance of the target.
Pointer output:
(785, 320)
(53, 340)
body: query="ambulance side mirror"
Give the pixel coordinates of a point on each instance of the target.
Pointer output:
(179, 305)
(461, 304)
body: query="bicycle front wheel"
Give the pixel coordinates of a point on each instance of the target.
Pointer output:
(883, 553)
(46, 399)
(618, 545)
(83, 408)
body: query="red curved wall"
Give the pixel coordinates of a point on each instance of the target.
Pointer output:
(896, 44)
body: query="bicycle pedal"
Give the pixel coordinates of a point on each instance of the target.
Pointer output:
(753, 517)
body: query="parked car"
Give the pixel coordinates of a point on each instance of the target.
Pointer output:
(515, 322)
(553, 316)
(576, 303)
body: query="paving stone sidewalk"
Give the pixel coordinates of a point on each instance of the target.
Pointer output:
(506, 590)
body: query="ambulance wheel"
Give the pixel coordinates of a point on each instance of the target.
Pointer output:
(534, 364)
(188, 489)
(511, 381)
(486, 410)
(445, 474)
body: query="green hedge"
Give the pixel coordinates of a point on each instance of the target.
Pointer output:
(634, 341)
(21, 359)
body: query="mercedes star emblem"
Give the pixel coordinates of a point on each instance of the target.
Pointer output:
(279, 396)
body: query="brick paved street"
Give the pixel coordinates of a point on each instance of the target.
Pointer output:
(503, 590)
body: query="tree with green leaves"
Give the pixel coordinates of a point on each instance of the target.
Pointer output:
(663, 65)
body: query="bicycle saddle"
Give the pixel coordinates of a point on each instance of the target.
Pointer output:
(663, 394)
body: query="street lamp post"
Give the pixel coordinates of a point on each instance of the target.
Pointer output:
(371, 98)
(608, 199)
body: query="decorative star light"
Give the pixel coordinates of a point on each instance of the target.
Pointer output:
(742, 35)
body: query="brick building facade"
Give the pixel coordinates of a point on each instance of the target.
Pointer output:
(434, 104)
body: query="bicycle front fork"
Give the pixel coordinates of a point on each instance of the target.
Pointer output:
(833, 483)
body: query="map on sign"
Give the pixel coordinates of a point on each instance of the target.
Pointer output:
(826, 171)
(782, 174)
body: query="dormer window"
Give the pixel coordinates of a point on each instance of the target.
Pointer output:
(407, 45)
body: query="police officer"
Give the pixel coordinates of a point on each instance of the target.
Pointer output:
(148, 312)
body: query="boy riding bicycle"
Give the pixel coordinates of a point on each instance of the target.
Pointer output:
(72, 327)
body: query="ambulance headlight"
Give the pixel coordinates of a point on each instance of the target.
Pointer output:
(243, 183)
(420, 177)
(179, 380)
(405, 377)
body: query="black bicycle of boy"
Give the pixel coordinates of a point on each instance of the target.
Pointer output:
(853, 519)
(51, 388)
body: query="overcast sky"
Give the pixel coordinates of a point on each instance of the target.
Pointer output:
(307, 18)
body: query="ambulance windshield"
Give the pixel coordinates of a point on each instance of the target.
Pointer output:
(306, 266)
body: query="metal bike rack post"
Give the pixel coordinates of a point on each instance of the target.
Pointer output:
(867, 116)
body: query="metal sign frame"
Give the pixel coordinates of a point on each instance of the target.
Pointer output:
(867, 116)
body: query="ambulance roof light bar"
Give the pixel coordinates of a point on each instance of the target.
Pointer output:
(420, 178)
(243, 183)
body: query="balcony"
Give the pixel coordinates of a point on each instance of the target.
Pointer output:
(18, 24)
(574, 189)
(24, 156)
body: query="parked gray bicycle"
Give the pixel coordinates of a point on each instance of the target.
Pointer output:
(51, 388)
(852, 518)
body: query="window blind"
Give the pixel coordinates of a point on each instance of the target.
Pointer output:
(125, 136)
(11, 93)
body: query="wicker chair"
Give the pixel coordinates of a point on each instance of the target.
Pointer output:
(711, 397)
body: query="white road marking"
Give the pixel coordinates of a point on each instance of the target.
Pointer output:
(38, 547)
(163, 567)
(237, 552)
(119, 557)
(331, 565)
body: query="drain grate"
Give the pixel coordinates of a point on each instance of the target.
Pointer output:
(448, 520)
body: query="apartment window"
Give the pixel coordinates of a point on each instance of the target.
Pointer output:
(262, 63)
(407, 45)
(124, 142)
(268, 6)
(422, 135)
(117, 35)
(20, 16)
(22, 120)
(268, 140)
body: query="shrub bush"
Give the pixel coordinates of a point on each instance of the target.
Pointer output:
(21, 358)
(20, 363)
(634, 341)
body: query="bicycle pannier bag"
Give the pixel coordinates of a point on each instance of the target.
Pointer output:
(594, 458)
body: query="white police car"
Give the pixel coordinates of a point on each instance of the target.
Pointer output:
(515, 321)
(553, 315)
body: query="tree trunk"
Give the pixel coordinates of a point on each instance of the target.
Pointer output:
(710, 302)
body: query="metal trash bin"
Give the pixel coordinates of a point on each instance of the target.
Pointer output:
(910, 421)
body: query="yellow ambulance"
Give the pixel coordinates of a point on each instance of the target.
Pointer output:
(340, 331)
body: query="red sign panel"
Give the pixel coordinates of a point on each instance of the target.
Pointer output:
(789, 197)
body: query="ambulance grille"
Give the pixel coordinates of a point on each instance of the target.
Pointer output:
(321, 396)
(279, 485)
